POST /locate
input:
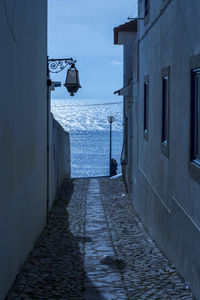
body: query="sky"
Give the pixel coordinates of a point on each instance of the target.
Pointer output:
(84, 30)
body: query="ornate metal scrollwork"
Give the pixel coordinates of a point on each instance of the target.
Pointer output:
(57, 65)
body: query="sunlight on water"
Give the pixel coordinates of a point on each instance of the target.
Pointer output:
(86, 122)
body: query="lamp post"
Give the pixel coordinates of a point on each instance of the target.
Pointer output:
(110, 120)
(72, 84)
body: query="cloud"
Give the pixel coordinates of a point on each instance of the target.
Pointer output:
(116, 63)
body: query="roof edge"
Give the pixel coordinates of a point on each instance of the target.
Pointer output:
(126, 27)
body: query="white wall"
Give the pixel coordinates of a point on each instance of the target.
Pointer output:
(22, 132)
(60, 163)
(129, 41)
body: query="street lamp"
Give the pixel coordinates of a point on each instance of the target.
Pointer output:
(72, 84)
(110, 120)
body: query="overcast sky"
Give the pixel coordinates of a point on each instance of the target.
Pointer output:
(84, 30)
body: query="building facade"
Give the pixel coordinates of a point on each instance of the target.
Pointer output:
(126, 35)
(164, 156)
(23, 135)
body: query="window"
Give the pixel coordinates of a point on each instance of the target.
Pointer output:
(195, 116)
(146, 106)
(146, 11)
(194, 149)
(146, 8)
(165, 111)
(126, 139)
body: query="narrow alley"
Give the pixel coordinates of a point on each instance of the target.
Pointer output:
(95, 247)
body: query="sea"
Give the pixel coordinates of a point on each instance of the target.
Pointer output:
(89, 130)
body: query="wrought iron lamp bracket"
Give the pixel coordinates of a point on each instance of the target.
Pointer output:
(57, 65)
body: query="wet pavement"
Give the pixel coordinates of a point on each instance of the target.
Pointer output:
(95, 247)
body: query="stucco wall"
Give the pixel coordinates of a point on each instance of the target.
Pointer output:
(59, 164)
(22, 132)
(129, 41)
(131, 61)
(164, 192)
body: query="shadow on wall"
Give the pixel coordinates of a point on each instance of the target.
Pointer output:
(55, 267)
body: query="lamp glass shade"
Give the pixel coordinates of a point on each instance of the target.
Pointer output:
(110, 119)
(71, 76)
(72, 80)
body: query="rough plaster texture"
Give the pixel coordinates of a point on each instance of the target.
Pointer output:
(22, 132)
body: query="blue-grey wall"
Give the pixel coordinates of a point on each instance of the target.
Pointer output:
(23, 135)
(23, 32)
(164, 190)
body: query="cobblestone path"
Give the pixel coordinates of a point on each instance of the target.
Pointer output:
(146, 272)
(96, 248)
(100, 261)
(55, 268)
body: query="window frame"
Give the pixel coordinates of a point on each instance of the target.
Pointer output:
(165, 112)
(194, 165)
(195, 136)
(146, 11)
(146, 107)
(126, 137)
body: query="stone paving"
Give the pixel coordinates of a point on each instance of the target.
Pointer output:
(146, 272)
(55, 267)
(100, 260)
(94, 248)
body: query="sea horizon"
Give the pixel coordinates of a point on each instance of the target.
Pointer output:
(89, 130)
